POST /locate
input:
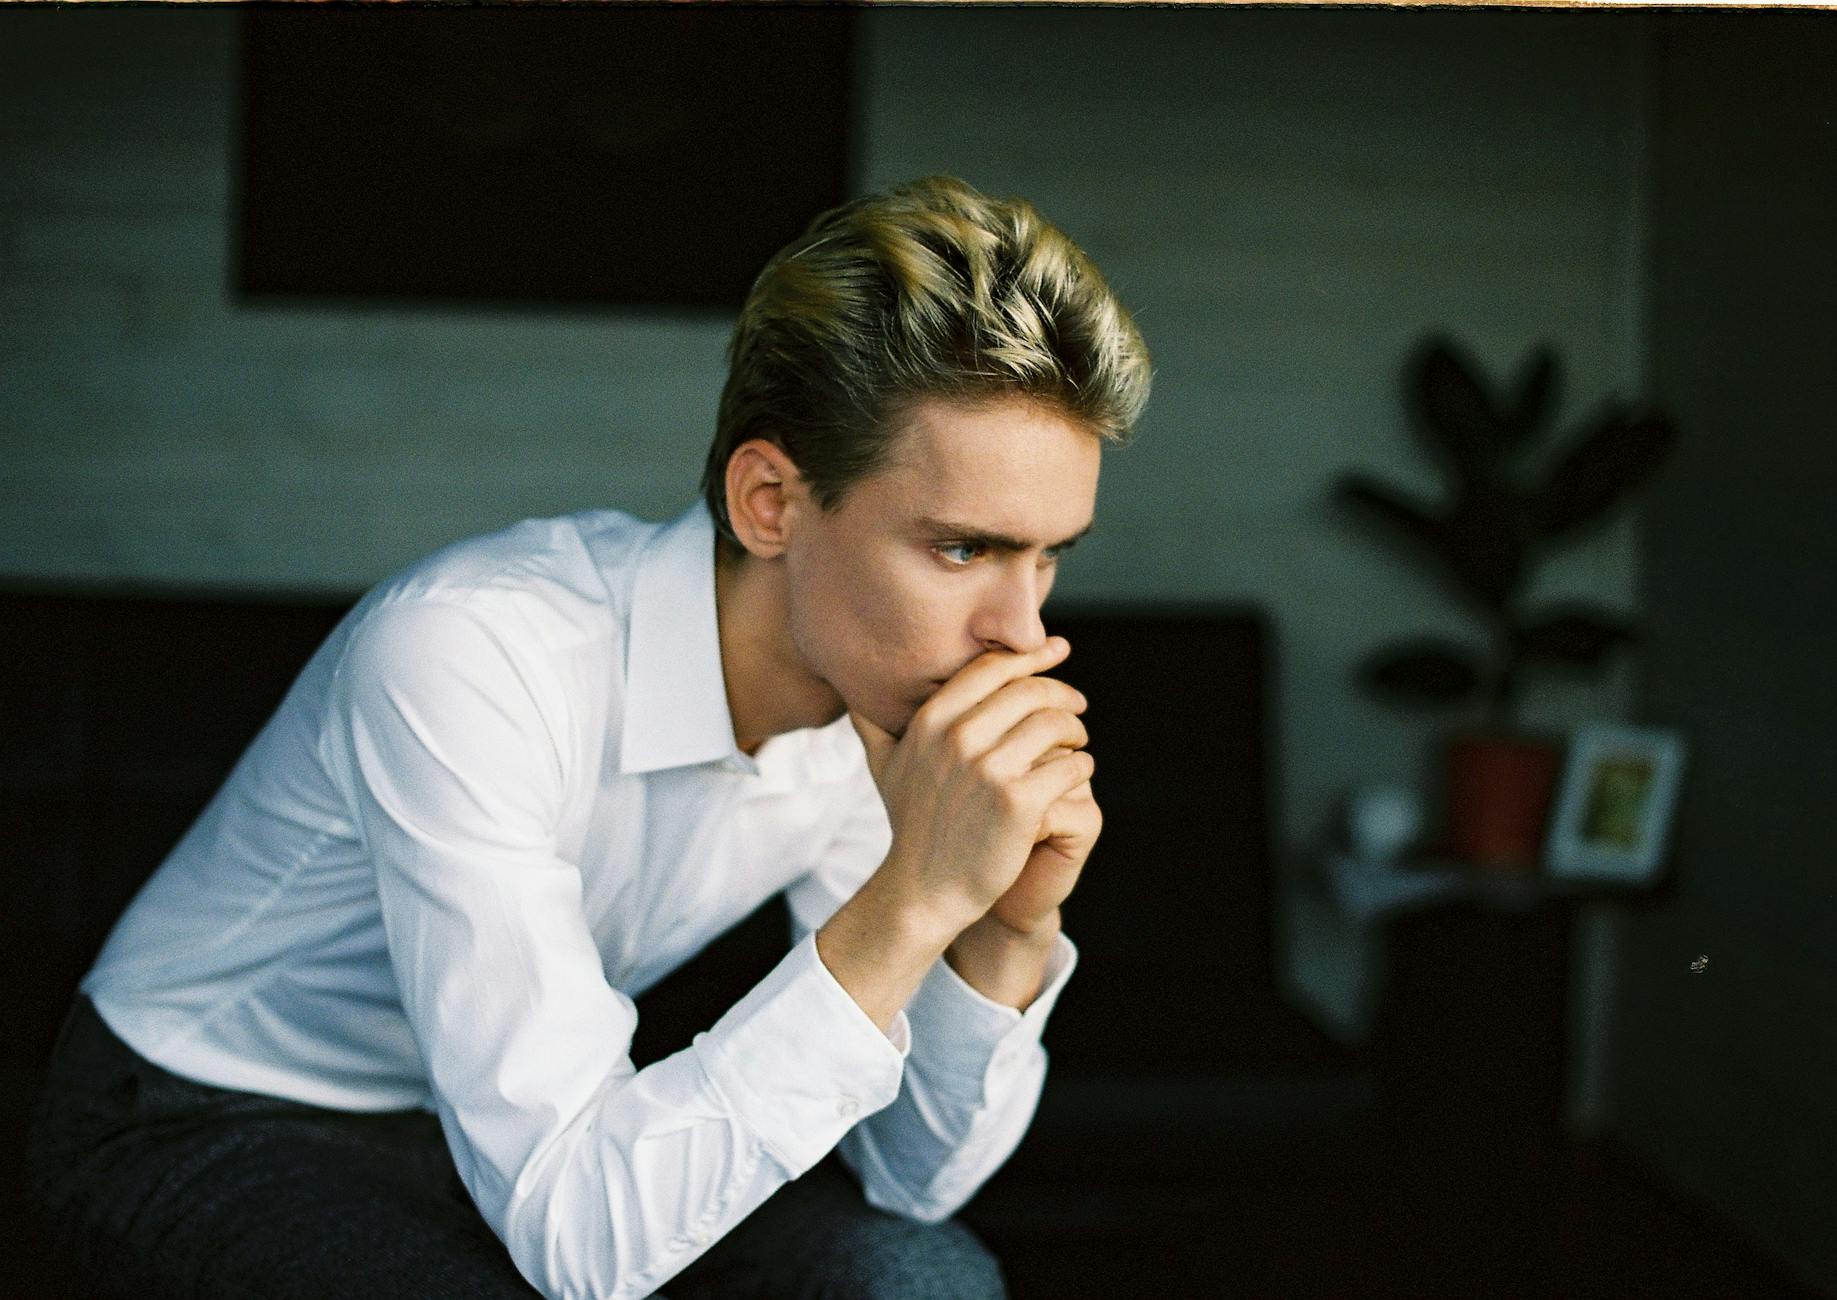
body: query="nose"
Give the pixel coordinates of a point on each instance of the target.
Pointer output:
(1009, 618)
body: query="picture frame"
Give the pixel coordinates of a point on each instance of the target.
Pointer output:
(1612, 817)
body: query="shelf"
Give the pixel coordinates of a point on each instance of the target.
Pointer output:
(1365, 891)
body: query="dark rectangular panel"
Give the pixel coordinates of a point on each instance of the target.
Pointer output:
(1172, 914)
(643, 156)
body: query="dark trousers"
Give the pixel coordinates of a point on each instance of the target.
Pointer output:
(151, 1186)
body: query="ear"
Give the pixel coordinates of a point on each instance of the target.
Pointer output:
(764, 492)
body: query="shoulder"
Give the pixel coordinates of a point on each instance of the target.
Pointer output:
(532, 610)
(542, 583)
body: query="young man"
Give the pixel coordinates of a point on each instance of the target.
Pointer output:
(365, 1032)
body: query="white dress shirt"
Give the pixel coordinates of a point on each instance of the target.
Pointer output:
(503, 799)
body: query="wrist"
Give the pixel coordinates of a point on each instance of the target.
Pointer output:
(1004, 963)
(1038, 932)
(919, 911)
(880, 943)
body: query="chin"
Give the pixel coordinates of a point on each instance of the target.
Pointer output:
(891, 714)
(889, 706)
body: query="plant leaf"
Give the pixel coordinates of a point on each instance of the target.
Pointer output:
(1537, 387)
(1608, 462)
(1460, 415)
(1486, 543)
(1423, 671)
(1379, 501)
(1576, 635)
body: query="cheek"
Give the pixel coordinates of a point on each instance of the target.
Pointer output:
(905, 626)
(851, 620)
(895, 641)
(871, 599)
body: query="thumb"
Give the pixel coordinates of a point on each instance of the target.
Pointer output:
(877, 742)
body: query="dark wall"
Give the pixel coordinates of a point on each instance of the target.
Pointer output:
(1727, 1079)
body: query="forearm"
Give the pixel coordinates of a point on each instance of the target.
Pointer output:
(1003, 964)
(969, 1090)
(929, 1152)
(606, 1182)
(880, 944)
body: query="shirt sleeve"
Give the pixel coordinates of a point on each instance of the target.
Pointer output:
(603, 1181)
(975, 1068)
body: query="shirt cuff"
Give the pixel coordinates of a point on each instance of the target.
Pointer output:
(800, 1062)
(969, 1045)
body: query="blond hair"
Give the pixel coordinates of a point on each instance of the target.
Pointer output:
(926, 290)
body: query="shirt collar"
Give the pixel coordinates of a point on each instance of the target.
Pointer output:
(675, 693)
(676, 712)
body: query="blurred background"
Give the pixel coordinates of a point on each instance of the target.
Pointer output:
(288, 300)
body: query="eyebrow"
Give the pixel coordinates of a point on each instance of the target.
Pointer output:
(994, 541)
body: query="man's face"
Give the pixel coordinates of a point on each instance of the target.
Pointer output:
(947, 551)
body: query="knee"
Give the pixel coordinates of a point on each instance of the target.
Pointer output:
(902, 1259)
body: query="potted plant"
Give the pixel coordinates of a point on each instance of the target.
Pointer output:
(1506, 511)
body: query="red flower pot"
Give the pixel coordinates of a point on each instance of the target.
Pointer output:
(1498, 799)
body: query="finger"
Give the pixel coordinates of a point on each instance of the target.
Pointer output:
(1081, 795)
(984, 675)
(1031, 740)
(1074, 810)
(876, 742)
(982, 728)
(1052, 781)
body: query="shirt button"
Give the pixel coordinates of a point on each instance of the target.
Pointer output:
(700, 1239)
(848, 1107)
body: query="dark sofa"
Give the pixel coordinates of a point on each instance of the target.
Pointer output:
(1177, 1068)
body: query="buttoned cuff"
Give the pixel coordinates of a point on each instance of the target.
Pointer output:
(799, 1062)
(968, 1045)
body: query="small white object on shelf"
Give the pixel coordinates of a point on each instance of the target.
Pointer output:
(1382, 821)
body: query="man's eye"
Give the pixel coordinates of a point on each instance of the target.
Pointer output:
(959, 552)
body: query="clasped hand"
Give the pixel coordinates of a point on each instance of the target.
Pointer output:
(989, 792)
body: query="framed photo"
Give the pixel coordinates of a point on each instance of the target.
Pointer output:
(1613, 812)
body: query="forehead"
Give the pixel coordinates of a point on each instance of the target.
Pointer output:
(1018, 466)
